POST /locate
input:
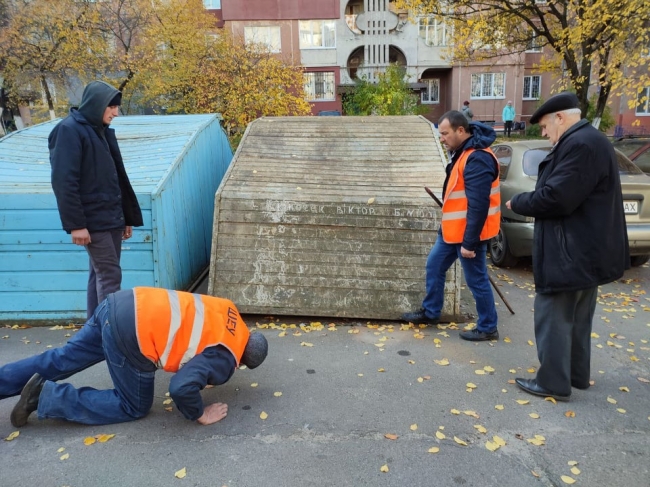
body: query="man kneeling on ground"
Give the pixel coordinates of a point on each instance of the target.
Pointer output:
(201, 339)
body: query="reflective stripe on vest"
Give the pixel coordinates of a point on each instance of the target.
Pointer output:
(174, 326)
(454, 206)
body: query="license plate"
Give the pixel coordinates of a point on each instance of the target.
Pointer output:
(631, 207)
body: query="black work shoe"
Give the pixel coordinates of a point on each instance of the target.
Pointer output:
(474, 335)
(419, 317)
(532, 387)
(28, 402)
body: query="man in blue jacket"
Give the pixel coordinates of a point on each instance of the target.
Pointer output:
(96, 202)
(470, 217)
(579, 242)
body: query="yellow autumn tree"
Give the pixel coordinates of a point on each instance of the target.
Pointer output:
(246, 81)
(43, 44)
(593, 42)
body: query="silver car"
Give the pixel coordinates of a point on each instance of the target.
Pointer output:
(518, 164)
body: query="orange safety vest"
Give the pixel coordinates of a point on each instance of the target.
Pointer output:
(454, 206)
(174, 326)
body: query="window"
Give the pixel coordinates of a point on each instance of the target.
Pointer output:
(532, 87)
(266, 35)
(212, 4)
(488, 85)
(319, 86)
(431, 94)
(503, 153)
(433, 31)
(316, 34)
(643, 102)
(535, 43)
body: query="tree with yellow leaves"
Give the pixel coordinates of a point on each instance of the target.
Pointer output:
(594, 42)
(44, 43)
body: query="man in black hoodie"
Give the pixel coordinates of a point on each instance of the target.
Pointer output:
(96, 202)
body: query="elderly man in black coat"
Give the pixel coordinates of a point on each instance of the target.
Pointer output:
(96, 202)
(580, 241)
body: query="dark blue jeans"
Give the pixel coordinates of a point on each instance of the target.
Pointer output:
(440, 259)
(131, 398)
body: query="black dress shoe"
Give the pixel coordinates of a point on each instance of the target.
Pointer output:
(419, 317)
(580, 386)
(474, 335)
(532, 387)
(28, 402)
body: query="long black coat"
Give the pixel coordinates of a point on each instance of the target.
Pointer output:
(90, 183)
(580, 238)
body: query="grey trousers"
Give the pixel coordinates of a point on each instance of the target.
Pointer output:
(105, 274)
(563, 334)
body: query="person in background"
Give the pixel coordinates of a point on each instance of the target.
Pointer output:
(580, 242)
(508, 116)
(201, 339)
(96, 202)
(467, 111)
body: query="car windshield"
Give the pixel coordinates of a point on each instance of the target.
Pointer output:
(532, 158)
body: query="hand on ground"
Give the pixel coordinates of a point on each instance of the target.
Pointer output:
(213, 413)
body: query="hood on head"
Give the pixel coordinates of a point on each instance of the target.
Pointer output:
(95, 100)
(482, 136)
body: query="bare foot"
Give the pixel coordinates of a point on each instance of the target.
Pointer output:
(213, 413)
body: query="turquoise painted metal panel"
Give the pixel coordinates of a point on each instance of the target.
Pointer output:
(175, 164)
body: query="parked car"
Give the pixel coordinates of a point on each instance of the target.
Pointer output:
(518, 164)
(637, 149)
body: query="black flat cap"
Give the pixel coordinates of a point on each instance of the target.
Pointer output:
(556, 103)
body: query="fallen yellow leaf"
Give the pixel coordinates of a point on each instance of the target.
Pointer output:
(531, 370)
(595, 335)
(180, 474)
(499, 407)
(530, 342)
(621, 410)
(89, 440)
(307, 344)
(412, 362)
(444, 361)
(575, 471)
(572, 463)
(507, 340)
(480, 428)
(550, 399)
(420, 379)
(104, 438)
(167, 401)
(535, 474)
(568, 480)
(12, 436)
(434, 449)
(499, 441)
(282, 334)
(371, 201)
(479, 372)
(62, 449)
(459, 441)
(384, 468)
(391, 436)
(534, 415)
(624, 389)
(523, 402)
(611, 400)
(643, 379)
(440, 435)
(277, 394)
(471, 413)
(263, 415)
(487, 368)
(454, 411)
(65, 457)
(512, 371)
(254, 384)
(414, 427)
(570, 414)
(491, 446)
(471, 385)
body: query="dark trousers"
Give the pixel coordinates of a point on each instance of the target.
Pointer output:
(563, 334)
(507, 128)
(105, 274)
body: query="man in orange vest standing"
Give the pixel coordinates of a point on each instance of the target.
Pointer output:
(471, 215)
(202, 339)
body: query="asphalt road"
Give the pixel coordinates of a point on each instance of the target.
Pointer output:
(344, 387)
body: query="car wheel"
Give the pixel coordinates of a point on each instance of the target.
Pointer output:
(500, 252)
(638, 260)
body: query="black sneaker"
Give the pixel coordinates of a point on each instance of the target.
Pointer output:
(474, 335)
(419, 317)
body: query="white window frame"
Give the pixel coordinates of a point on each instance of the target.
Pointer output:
(264, 34)
(491, 86)
(434, 34)
(645, 92)
(433, 86)
(212, 4)
(328, 85)
(534, 44)
(529, 95)
(306, 34)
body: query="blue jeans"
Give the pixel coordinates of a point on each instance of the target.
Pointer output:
(130, 399)
(440, 259)
(83, 350)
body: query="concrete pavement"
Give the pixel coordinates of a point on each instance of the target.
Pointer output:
(345, 387)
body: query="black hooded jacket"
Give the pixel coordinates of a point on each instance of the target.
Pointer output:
(89, 181)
